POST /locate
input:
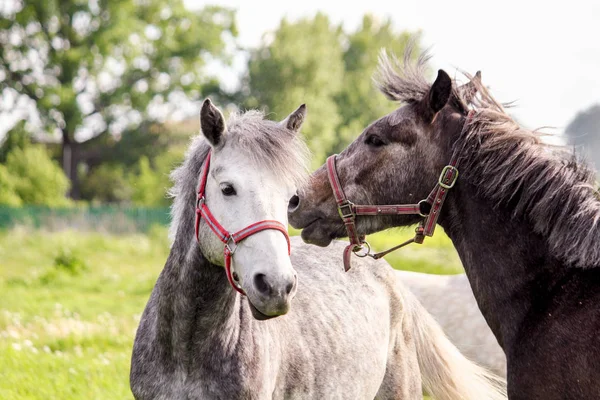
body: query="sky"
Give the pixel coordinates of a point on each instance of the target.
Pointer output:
(545, 55)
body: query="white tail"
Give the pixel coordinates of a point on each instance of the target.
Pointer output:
(446, 373)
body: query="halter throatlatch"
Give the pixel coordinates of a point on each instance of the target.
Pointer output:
(428, 208)
(231, 240)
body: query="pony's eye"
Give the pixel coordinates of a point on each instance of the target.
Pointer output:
(227, 189)
(374, 141)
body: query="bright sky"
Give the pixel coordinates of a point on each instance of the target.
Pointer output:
(543, 54)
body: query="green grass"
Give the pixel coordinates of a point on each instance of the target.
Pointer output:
(70, 303)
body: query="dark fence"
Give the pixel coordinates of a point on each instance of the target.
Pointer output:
(114, 219)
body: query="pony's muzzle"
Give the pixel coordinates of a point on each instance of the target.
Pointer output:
(273, 295)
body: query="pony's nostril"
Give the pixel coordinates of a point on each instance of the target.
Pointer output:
(294, 203)
(261, 284)
(291, 285)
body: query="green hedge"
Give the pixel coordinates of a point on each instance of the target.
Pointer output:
(114, 219)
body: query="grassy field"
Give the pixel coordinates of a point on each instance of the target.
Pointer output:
(70, 303)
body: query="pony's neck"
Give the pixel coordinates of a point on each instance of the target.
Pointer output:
(508, 265)
(197, 310)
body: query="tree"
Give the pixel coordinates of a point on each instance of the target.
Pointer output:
(149, 186)
(313, 62)
(96, 69)
(301, 64)
(17, 137)
(584, 131)
(36, 179)
(8, 195)
(359, 102)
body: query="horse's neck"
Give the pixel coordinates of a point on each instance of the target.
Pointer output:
(508, 265)
(196, 309)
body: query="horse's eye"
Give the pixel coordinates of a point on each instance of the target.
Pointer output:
(227, 189)
(374, 141)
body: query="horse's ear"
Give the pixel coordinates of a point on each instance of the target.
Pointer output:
(294, 121)
(469, 90)
(439, 94)
(212, 122)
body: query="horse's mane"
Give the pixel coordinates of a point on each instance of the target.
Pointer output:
(512, 167)
(271, 146)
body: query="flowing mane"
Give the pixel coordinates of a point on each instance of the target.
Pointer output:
(511, 166)
(272, 146)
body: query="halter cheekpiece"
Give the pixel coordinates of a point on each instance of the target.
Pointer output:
(428, 208)
(231, 240)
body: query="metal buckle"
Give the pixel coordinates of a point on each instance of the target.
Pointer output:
(350, 213)
(231, 240)
(200, 202)
(449, 185)
(424, 201)
(360, 247)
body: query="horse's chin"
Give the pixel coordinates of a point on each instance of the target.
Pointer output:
(316, 234)
(259, 315)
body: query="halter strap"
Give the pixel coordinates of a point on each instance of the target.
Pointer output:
(231, 240)
(428, 208)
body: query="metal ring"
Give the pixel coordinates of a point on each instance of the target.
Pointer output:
(419, 204)
(231, 240)
(360, 247)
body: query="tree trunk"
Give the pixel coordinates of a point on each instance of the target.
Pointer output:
(70, 160)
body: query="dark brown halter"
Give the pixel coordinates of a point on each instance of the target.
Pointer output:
(428, 208)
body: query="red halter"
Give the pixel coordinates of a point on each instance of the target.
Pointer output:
(428, 208)
(230, 239)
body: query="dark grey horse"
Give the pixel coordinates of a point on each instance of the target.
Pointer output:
(356, 335)
(524, 217)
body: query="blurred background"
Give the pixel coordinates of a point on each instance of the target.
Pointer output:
(99, 99)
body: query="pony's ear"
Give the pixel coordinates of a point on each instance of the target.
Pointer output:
(438, 95)
(469, 90)
(294, 121)
(212, 123)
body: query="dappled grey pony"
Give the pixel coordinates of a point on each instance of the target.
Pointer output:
(355, 335)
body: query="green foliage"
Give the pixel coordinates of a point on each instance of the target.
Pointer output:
(68, 261)
(302, 64)
(8, 194)
(108, 62)
(107, 184)
(359, 102)
(148, 187)
(145, 184)
(37, 179)
(17, 137)
(313, 62)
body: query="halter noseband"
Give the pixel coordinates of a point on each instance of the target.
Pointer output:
(231, 240)
(428, 208)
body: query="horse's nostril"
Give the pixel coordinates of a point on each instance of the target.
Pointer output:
(289, 287)
(260, 281)
(294, 203)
